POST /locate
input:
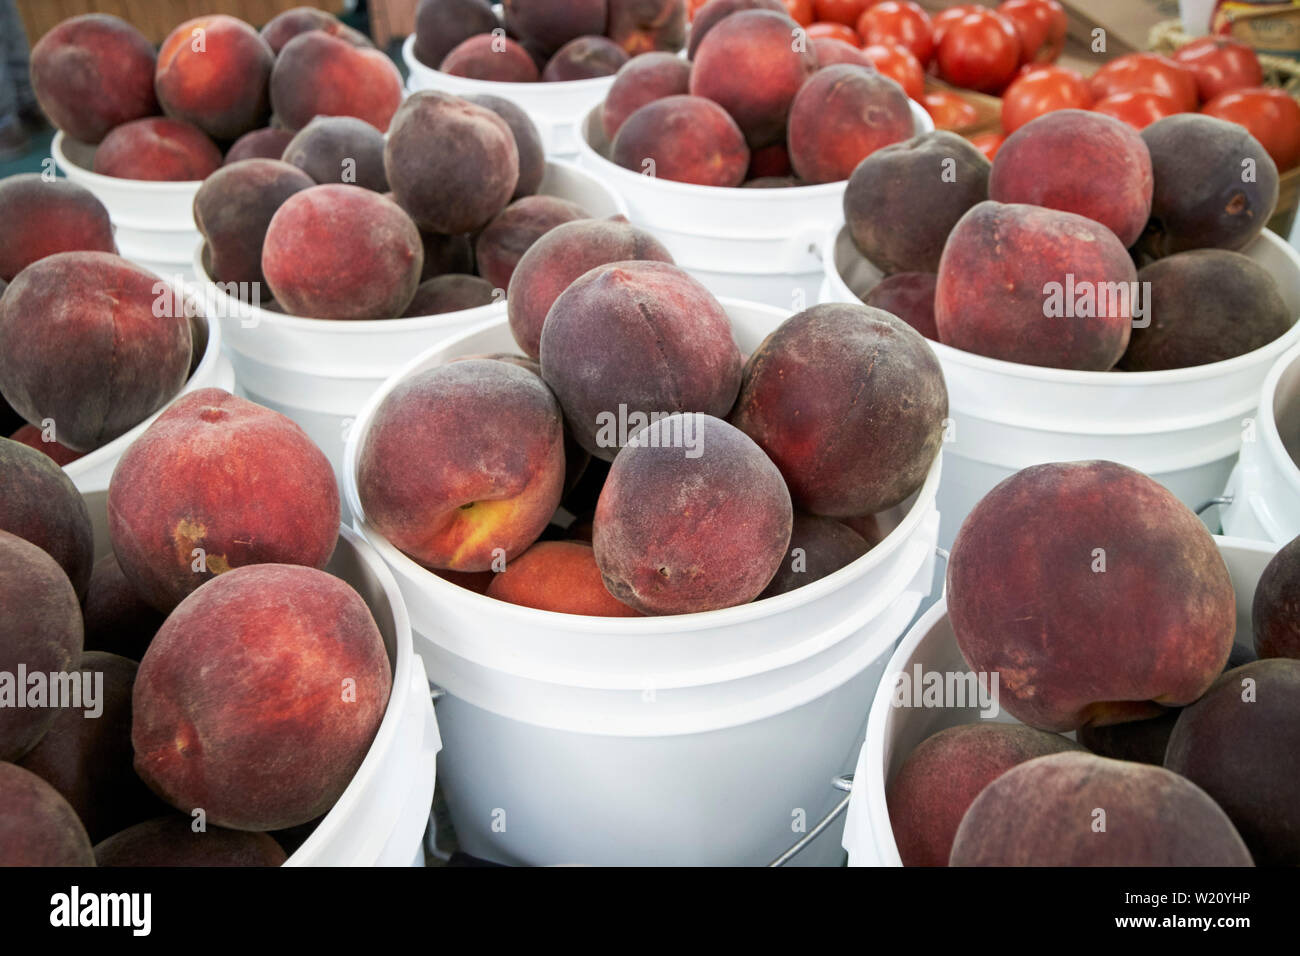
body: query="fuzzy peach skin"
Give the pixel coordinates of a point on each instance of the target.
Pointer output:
(636, 338)
(946, 772)
(713, 12)
(342, 252)
(585, 58)
(1095, 594)
(218, 473)
(213, 72)
(992, 295)
(42, 632)
(685, 139)
(463, 464)
(264, 143)
(506, 238)
(558, 576)
(321, 75)
(43, 217)
(82, 344)
(818, 547)
(442, 25)
(641, 26)
(283, 27)
(528, 142)
(171, 841)
(41, 505)
(1044, 813)
(1275, 610)
(491, 58)
(93, 72)
(117, 620)
(38, 827)
(340, 149)
(842, 115)
(551, 25)
(910, 297)
(32, 437)
(850, 402)
(1081, 162)
(259, 697)
(158, 149)
(641, 80)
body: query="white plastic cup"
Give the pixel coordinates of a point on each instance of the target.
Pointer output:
(557, 109)
(1183, 427)
(319, 372)
(153, 222)
(1264, 488)
(759, 245)
(894, 732)
(694, 739)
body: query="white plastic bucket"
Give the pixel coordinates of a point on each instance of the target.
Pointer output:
(381, 817)
(1183, 427)
(319, 372)
(558, 109)
(894, 732)
(92, 471)
(760, 245)
(1264, 488)
(153, 222)
(695, 739)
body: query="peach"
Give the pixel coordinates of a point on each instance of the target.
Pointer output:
(172, 841)
(157, 149)
(751, 66)
(259, 697)
(463, 464)
(932, 791)
(445, 255)
(233, 209)
(340, 149)
(770, 162)
(43, 506)
(507, 237)
(442, 25)
(909, 296)
(265, 143)
(841, 116)
(902, 201)
(283, 27)
(86, 754)
(38, 827)
(831, 52)
(693, 517)
(558, 576)
(850, 402)
(642, 26)
(687, 139)
(42, 634)
(215, 483)
(117, 620)
(450, 293)
(551, 25)
(320, 75)
(93, 72)
(818, 547)
(491, 57)
(528, 142)
(1241, 744)
(560, 257)
(453, 165)
(213, 72)
(1045, 812)
(33, 437)
(1141, 741)
(1125, 608)
(1275, 609)
(81, 344)
(1205, 305)
(585, 58)
(709, 15)
(342, 252)
(641, 80)
(597, 336)
(1201, 197)
(1080, 162)
(1037, 286)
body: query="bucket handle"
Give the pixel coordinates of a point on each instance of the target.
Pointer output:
(1221, 500)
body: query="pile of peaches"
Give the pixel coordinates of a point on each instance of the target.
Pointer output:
(227, 686)
(210, 91)
(1103, 607)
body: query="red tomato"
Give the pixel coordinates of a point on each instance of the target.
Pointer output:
(1146, 71)
(941, 20)
(980, 51)
(949, 111)
(1269, 115)
(899, 65)
(900, 21)
(1040, 25)
(988, 143)
(1138, 108)
(840, 11)
(801, 11)
(834, 31)
(1220, 64)
(1041, 91)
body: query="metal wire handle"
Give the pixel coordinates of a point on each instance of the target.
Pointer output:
(1221, 500)
(843, 782)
